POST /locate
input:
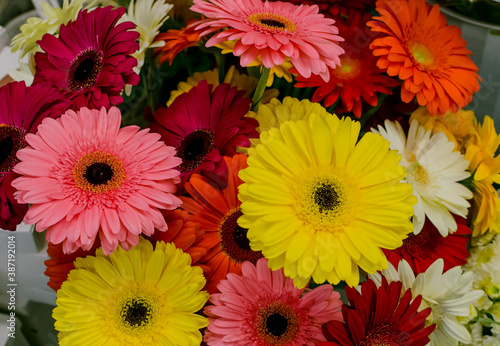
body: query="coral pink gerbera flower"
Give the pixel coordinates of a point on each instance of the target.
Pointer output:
(263, 307)
(358, 79)
(85, 176)
(273, 31)
(21, 111)
(91, 58)
(205, 124)
(380, 316)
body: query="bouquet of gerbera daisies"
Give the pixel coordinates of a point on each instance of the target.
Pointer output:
(249, 172)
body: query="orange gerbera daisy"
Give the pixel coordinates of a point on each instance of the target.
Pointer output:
(217, 209)
(429, 56)
(176, 41)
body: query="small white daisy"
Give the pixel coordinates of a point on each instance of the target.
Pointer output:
(448, 294)
(434, 170)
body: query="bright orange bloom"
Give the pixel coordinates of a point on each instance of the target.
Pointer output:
(217, 209)
(427, 54)
(176, 41)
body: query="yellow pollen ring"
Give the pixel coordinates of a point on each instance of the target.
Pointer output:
(272, 21)
(80, 169)
(422, 54)
(271, 335)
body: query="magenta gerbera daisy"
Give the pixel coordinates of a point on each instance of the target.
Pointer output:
(204, 125)
(380, 316)
(90, 60)
(263, 307)
(21, 111)
(85, 176)
(273, 31)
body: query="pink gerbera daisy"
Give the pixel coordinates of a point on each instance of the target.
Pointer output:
(85, 176)
(203, 125)
(263, 307)
(21, 111)
(91, 58)
(273, 31)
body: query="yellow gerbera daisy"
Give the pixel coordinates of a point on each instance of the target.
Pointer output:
(486, 169)
(319, 205)
(136, 297)
(281, 71)
(273, 113)
(233, 77)
(458, 127)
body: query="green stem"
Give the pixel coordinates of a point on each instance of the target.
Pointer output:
(221, 60)
(261, 87)
(186, 62)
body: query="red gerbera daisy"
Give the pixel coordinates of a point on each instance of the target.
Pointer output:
(203, 125)
(273, 31)
(217, 210)
(334, 7)
(421, 250)
(176, 41)
(91, 59)
(429, 56)
(21, 111)
(358, 78)
(378, 316)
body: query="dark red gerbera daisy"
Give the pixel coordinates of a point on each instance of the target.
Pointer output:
(335, 7)
(204, 125)
(380, 316)
(358, 78)
(21, 111)
(421, 250)
(90, 60)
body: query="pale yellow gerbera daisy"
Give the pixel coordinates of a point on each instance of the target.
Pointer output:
(136, 297)
(320, 204)
(449, 295)
(280, 71)
(233, 77)
(434, 170)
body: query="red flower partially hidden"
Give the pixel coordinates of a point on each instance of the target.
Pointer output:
(429, 56)
(334, 7)
(21, 111)
(421, 250)
(358, 78)
(205, 124)
(217, 210)
(379, 316)
(91, 59)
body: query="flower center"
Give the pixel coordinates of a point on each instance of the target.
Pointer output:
(84, 70)
(384, 335)
(421, 54)
(418, 174)
(136, 312)
(234, 241)
(423, 243)
(271, 21)
(349, 68)
(98, 172)
(11, 140)
(277, 324)
(325, 202)
(193, 149)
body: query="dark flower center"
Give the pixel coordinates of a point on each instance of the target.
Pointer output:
(136, 312)
(277, 323)
(84, 70)
(234, 241)
(272, 22)
(11, 140)
(385, 334)
(325, 197)
(99, 173)
(193, 149)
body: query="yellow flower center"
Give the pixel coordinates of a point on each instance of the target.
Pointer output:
(271, 21)
(422, 54)
(326, 202)
(418, 174)
(98, 172)
(277, 324)
(349, 68)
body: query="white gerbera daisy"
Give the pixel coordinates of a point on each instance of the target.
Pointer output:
(434, 170)
(448, 294)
